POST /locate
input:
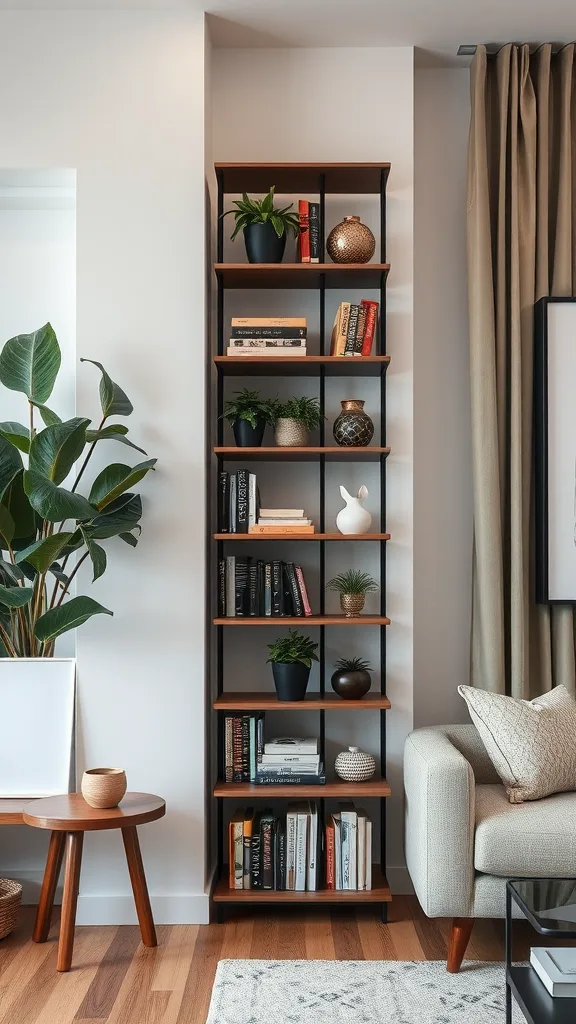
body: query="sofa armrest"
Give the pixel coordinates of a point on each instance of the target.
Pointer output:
(439, 824)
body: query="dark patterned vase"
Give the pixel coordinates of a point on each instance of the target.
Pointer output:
(353, 428)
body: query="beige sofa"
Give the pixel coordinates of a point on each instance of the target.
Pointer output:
(463, 838)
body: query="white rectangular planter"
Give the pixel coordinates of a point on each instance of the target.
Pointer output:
(37, 725)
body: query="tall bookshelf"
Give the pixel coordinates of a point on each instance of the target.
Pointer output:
(338, 179)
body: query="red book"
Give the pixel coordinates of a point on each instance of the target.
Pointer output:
(369, 326)
(304, 236)
(303, 591)
(330, 872)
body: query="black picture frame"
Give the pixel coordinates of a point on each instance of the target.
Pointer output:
(545, 592)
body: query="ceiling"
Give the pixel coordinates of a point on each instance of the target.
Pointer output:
(435, 27)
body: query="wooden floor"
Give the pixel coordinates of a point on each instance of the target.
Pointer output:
(116, 980)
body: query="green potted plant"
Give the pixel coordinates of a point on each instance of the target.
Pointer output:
(248, 415)
(265, 227)
(352, 587)
(351, 679)
(294, 420)
(291, 657)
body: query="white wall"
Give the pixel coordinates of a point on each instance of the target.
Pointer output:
(119, 96)
(442, 445)
(336, 104)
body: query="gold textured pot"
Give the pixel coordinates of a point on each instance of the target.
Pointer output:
(351, 242)
(290, 433)
(103, 787)
(352, 604)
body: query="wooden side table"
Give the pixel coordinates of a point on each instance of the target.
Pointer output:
(68, 818)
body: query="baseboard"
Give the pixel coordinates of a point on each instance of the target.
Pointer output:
(187, 908)
(399, 881)
(31, 882)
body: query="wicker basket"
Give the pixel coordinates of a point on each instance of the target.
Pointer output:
(10, 896)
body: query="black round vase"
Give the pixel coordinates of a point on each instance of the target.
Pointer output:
(351, 684)
(262, 243)
(247, 436)
(290, 679)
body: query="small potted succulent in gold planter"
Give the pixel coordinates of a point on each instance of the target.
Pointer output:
(352, 587)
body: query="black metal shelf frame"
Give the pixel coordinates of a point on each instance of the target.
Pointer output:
(220, 336)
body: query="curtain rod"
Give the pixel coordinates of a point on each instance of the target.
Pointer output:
(492, 50)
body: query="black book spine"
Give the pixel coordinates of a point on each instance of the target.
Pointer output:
(261, 603)
(293, 779)
(294, 589)
(280, 856)
(314, 232)
(268, 589)
(242, 501)
(245, 748)
(255, 859)
(222, 587)
(241, 587)
(268, 332)
(352, 328)
(267, 851)
(252, 587)
(289, 607)
(276, 588)
(224, 503)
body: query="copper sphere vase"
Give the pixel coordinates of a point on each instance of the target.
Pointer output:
(353, 427)
(351, 242)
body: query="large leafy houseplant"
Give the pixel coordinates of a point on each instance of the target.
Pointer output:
(47, 531)
(265, 226)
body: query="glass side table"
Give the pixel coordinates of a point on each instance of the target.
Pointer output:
(549, 904)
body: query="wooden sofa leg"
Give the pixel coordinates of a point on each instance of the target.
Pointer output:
(459, 939)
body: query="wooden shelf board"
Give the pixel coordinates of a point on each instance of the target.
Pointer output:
(373, 788)
(313, 701)
(303, 620)
(11, 810)
(311, 453)
(302, 366)
(301, 275)
(339, 178)
(380, 893)
(302, 536)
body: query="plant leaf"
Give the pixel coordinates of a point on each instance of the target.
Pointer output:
(10, 463)
(30, 362)
(17, 434)
(129, 538)
(43, 552)
(15, 597)
(20, 509)
(97, 556)
(55, 449)
(48, 417)
(114, 432)
(7, 528)
(118, 517)
(54, 503)
(113, 400)
(67, 616)
(115, 479)
(10, 572)
(278, 225)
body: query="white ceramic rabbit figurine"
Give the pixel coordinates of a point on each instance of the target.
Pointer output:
(353, 518)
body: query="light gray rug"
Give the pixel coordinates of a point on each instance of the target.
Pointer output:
(356, 992)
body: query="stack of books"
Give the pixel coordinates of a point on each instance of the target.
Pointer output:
(309, 236)
(282, 520)
(267, 336)
(348, 849)
(243, 746)
(251, 587)
(556, 968)
(354, 328)
(293, 761)
(238, 501)
(266, 851)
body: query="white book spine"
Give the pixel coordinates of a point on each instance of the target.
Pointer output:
(231, 585)
(291, 827)
(281, 759)
(349, 841)
(239, 855)
(312, 849)
(361, 852)
(368, 853)
(252, 510)
(301, 850)
(233, 481)
(558, 984)
(338, 851)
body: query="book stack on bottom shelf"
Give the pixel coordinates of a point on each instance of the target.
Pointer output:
(556, 968)
(268, 851)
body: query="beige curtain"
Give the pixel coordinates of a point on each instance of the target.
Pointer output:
(521, 223)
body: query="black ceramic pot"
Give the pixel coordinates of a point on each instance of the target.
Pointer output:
(247, 436)
(351, 685)
(290, 680)
(263, 245)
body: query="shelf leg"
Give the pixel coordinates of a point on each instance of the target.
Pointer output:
(219, 913)
(384, 913)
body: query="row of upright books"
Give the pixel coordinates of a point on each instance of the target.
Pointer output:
(247, 758)
(309, 234)
(269, 851)
(250, 587)
(267, 336)
(354, 329)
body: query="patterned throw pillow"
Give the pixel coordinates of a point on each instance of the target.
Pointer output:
(532, 744)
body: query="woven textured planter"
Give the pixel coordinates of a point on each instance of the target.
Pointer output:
(291, 433)
(103, 787)
(10, 896)
(352, 604)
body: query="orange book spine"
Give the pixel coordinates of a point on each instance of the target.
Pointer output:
(281, 529)
(330, 872)
(369, 326)
(304, 236)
